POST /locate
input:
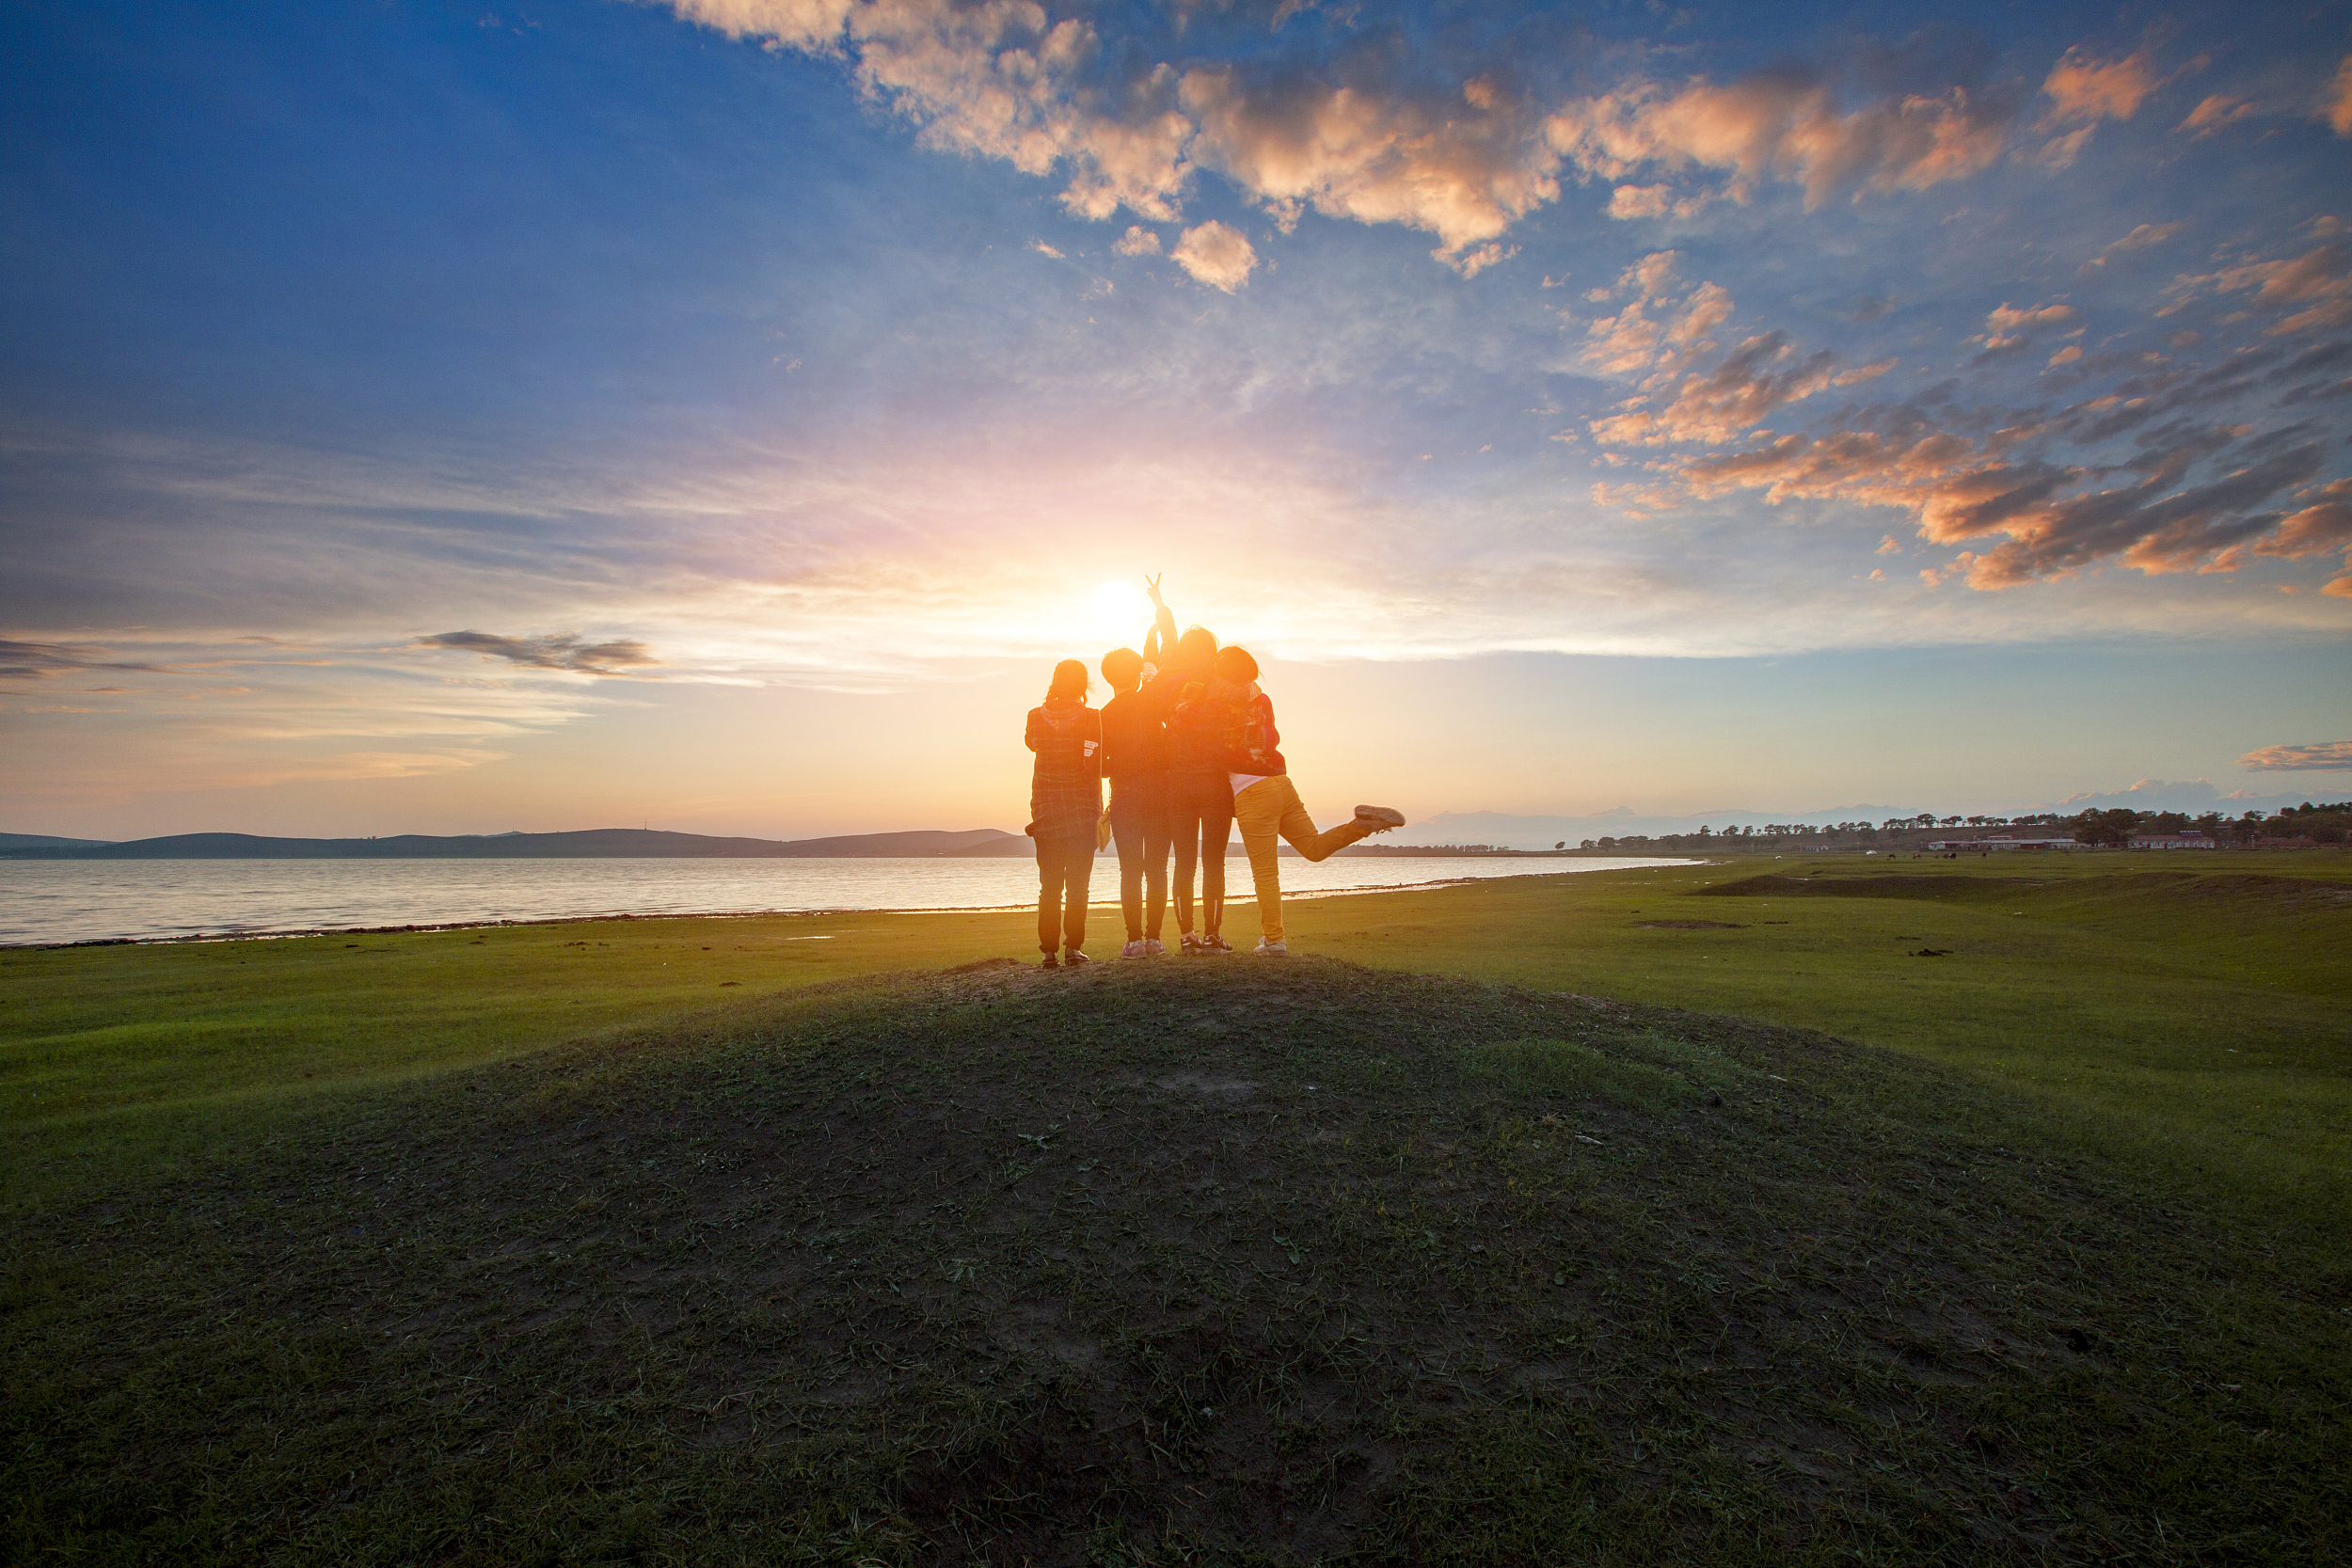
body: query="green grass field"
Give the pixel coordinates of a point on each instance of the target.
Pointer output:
(2192, 1021)
(1685, 1215)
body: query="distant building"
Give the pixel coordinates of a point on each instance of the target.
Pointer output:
(2005, 841)
(2190, 839)
(2301, 841)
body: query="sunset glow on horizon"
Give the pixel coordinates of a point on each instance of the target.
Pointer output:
(722, 413)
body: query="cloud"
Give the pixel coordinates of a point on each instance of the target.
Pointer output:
(1971, 480)
(1350, 137)
(38, 661)
(1044, 250)
(1654, 322)
(2217, 112)
(2140, 238)
(1360, 129)
(2316, 529)
(2006, 327)
(565, 652)
(1139, 240)
(1471, 262)
(1217, 255)
(2085, 90)
(2325, 756)
(1784, 123)
(1708, 307)
(2320, 279)
(1760, 375)
(2336, 108)
(1653, 201)
(998, 79)
(1360, 145)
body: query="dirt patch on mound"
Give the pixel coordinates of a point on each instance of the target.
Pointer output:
(1188, 1261)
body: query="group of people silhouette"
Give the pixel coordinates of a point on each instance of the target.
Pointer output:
(1188, 743)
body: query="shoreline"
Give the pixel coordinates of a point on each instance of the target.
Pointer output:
(293, 933)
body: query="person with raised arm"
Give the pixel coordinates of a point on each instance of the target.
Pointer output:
(1266, 804)
(1065, 803)
(1135, 754)
(1200, 803)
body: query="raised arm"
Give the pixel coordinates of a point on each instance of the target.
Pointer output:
(1163, 622)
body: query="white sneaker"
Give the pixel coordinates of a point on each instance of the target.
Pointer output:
(1270, 948)
(1151, 948)
(1388, 816)
(1133, 950)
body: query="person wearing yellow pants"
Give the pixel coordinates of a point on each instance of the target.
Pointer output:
(1266, 806)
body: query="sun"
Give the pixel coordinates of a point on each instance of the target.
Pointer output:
(1120, 612)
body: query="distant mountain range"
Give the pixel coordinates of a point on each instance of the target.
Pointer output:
(43, 841)
(594, 844)
(1500, 829)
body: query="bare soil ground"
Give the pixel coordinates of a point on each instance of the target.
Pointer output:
(1194, 1261)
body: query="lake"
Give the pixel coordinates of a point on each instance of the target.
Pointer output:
(57, 901)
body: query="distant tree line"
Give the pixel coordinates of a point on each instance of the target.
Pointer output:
(2321, 824)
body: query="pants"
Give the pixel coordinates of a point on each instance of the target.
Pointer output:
(1201, 818)
(1064, 865)
(1140, 822)
(1269, 807)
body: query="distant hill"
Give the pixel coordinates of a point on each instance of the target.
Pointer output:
(43, 841)
(592, 843)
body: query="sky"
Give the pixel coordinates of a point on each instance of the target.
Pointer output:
(718, 415)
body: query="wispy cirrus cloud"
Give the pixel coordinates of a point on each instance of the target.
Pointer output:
(564, 651)
(2197, 492)
(40, 661)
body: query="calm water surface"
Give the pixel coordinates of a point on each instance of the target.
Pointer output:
(84, 900)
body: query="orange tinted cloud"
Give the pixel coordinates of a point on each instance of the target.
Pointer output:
(2329, 757)
(2217, 112)
(1785, 124)
(1463, 170)
(1724, 403)
(2320, 279)
(2336, 108)
(1215, 254)
(2317, 529)
(2084, 91)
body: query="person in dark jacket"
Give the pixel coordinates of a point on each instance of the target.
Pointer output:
(1065, 802)
(1135, 759)
(1200, 803)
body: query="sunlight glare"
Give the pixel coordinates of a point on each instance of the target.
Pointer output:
(1122, 613)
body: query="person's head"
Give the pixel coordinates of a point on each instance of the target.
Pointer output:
(1235, 664)
(1070, 682)
(1123, 669)
(1196, 647)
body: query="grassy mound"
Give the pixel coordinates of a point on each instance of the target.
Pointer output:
(1193, 1262)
